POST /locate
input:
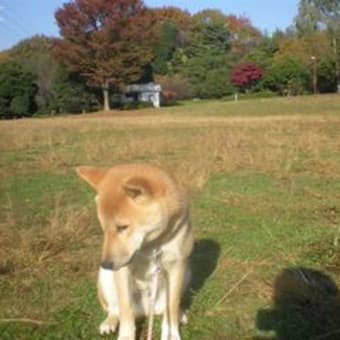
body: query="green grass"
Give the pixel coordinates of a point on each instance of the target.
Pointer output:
(307, 105)
(264, 202)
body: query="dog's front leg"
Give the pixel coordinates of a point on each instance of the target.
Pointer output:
(125, 304)
(175, 283)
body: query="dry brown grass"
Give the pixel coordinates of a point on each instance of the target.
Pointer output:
(25, 253)
(195, 148)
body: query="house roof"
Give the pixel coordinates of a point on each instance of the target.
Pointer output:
(150, 87)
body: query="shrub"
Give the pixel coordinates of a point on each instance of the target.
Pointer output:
(20, 106)
(288, 75)
(4, 107)
(71, 95)
(135, 105)
(215, 84)
(17, 90)
(177, 85)
(246, 75)
(168, 97)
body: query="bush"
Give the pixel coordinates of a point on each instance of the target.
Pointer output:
(168, 97)
(20, 106)
(17, 91)
(4, 108)
(215, 84)
(71, 95)
(288, 76)
(177, 85)
(135, 105)
(246, 75)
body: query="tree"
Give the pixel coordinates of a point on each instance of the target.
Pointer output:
(4, 56)
(307, 19)
(20, 105)
(330, 15)
(165, 48)
(106, 41)
(246, 75)
(262, 53)
(288, 75)
(176, 85)
(70, 94)
(205, 54)
(17, 90)
(216, 84)
(316, 15)
(315, 51)
(34, 54)
(243, 35)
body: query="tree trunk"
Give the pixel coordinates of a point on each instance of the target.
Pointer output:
(106, 97)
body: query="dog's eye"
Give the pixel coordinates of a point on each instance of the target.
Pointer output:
(121, 228)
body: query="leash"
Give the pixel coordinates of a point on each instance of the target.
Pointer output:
(155, 272)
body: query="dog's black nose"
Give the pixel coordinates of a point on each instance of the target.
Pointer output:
(107, 265)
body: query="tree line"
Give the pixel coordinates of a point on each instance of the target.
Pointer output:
(105, 45)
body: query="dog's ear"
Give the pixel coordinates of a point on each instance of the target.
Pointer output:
(138, 187)
(91, 175)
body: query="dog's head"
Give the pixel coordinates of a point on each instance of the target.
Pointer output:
(129, 211)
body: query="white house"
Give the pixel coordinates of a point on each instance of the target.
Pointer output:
(149, 93)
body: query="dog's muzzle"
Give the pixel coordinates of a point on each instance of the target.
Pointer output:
(107, 265)
(115, 265)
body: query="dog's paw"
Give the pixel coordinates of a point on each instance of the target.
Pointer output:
(175, 337)
(108, 326)
(170, 334)
(171, 337)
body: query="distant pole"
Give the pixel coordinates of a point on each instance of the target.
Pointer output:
(315, 75)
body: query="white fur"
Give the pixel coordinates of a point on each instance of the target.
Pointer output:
(108, 288)
(141, 283)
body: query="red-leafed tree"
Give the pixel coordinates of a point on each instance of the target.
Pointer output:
(246, 75)
(105, 41)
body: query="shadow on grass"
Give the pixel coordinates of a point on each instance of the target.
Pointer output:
(203, 262)
(306, 306)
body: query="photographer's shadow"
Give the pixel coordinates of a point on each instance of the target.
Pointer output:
(203, 263)
(306, 306)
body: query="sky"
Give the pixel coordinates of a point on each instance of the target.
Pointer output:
(20, 19)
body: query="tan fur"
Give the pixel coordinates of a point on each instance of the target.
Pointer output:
(141, 207)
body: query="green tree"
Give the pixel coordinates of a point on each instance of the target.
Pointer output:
(330, 15)
(35, 54)
(206, 55)
(71, 95)
(243, 35)
(171, 29)
(316, 15)
(165, 48)
(307, 19)
(216, 84)
(263, 52)
(288, 75)
(17, 90)
(20, 105)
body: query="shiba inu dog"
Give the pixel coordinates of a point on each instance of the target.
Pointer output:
(141, 208)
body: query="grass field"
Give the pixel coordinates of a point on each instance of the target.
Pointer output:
(264, 181)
